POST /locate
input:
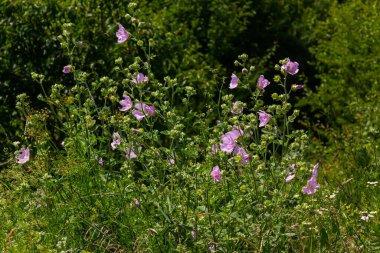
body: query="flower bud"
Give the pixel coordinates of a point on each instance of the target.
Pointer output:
(119, 60)
(274, 96)
(277, 79)
(243, 57)
(132, 6)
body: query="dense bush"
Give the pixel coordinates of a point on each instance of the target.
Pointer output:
(347, 59)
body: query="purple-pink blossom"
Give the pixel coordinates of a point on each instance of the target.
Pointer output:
(130, 154)
(143, 110)
(242, 153)
(115, 140)
(101, 161)
(137, 202)
(228, 143)
(66, 69)
(215, 174)
(140, 78)
(229, 139)
(314, 172)
(297, 87)
(290, 178)
(126, 103)
(23, 157)
(312, 184)
(291, 174)
(122, 34)
(139, 115)
(234, 81)
(237, 108)
(262, 82)
(264, 118)
(311, 187)
(291, 67)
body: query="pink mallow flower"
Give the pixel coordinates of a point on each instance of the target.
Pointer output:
(237, 108)
(262, 82)
(234, 81)
(101, 161)
(291, 67)
(66, 69)
(214, 149)
(312, 184)
(143, 110)
(290, 178)
(297, 87)
(241, 152)
(264, 118)
(126, 103)
(130, 154)
(137, 202)
(122, 34)
(291, 174)
(215, 174)
(229, 140)
(115, 140)
(23, 157)
(140, 78)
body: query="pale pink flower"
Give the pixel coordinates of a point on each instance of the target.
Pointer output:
(122, 34)
(194, 234)
(149, 109)
(297, 87)
(229, 139)
(66, 69)
(215, 174)
(290, 67)
(311, 187)
(290, 178)
(130, 154)
(139, 115)
(101, 161)
(228, 143)
(140, 78)
(137, 202)
(171, 160)
(314, 172)
(126, 103)
(214, 149)
(142, 110)
(241, 152)
(262, 82)
(237, 131)
(237, 108)
(264, 118)
(291, 174)
(115, 140)
(365, 218)
(312, 184)
(23, 157)
(234, 81)
(136, 130)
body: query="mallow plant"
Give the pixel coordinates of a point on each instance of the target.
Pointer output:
(112, 165)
